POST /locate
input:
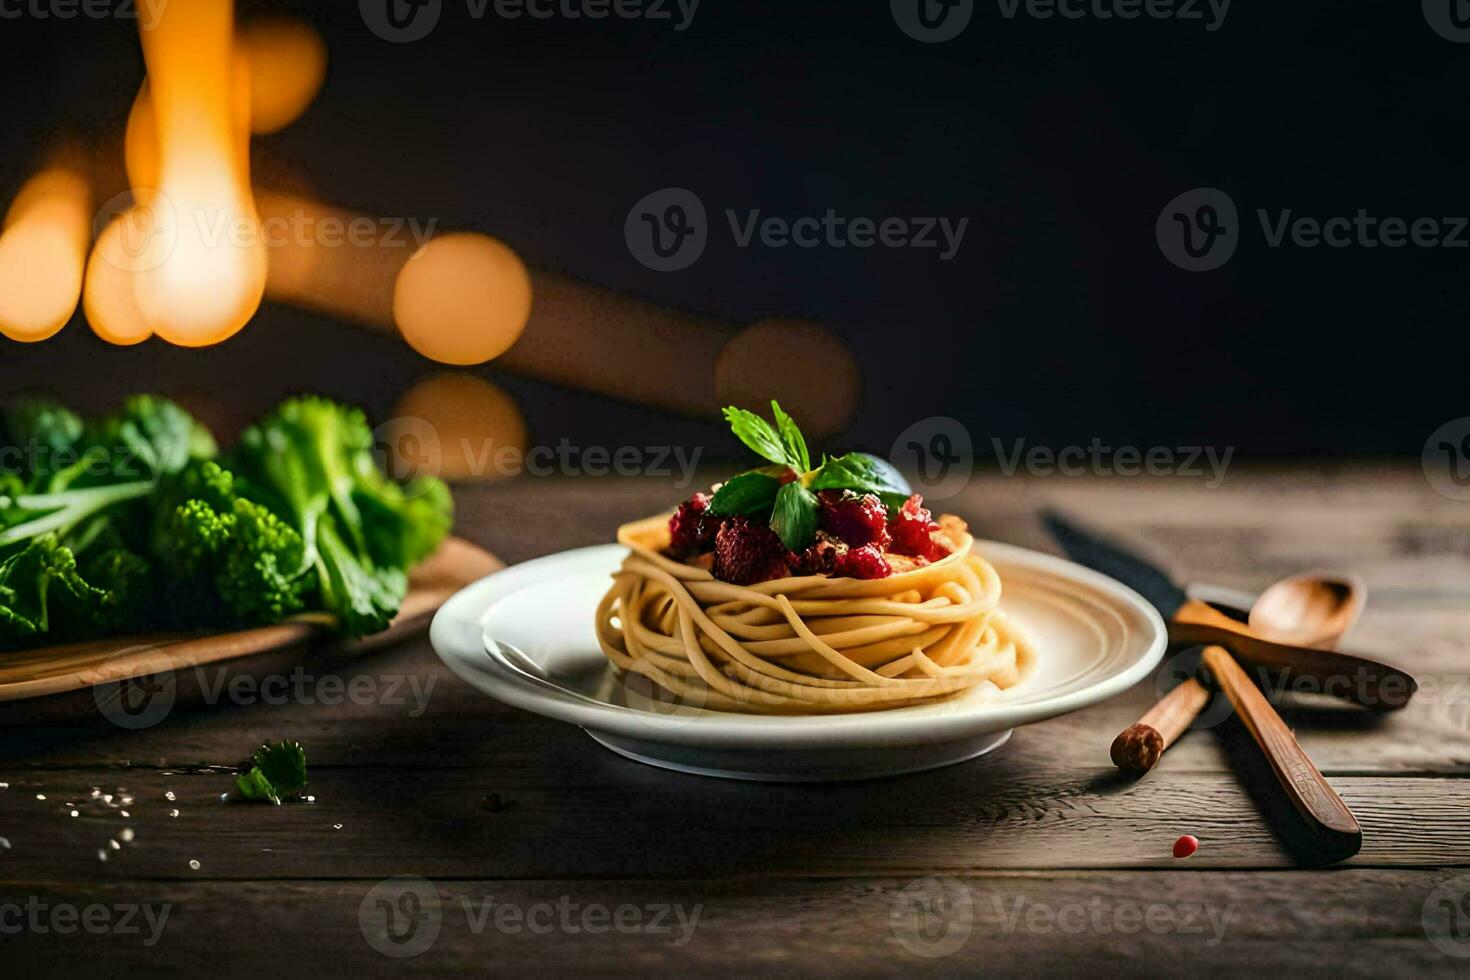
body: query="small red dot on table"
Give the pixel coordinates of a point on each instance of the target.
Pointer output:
(1185, 846)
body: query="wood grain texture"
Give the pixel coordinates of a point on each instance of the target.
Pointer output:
(1365, 923)
(799, 879)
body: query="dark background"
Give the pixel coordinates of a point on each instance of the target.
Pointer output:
(1059, 320)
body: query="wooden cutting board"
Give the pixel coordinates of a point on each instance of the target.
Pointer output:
(60, 682)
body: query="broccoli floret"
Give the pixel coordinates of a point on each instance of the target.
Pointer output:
(40, 436)
(254, 562)
(42, 590)
(312, 461)
(73, 515)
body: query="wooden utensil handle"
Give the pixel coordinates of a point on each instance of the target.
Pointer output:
(1367, 682)
(1138, 747)
(1313, 797)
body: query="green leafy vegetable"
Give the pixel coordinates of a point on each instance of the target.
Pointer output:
(253, 561)
(70, 551)
(38, 434)
(794, 517)
(793, 506)
(863, 473)
(746, 495)
(757, 433)
(129, 522)
(791, 439)
(277, 772)
(311, 461)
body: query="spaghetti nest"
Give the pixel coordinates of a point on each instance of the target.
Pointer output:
(808, 644)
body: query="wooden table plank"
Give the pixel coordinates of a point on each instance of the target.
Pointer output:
(606, 816)
(1028, 924)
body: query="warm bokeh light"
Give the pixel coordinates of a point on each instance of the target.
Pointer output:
(43, 251)
(462, 299)
(213, 276)
(318, 263)
(287, 62)
(584, 336)
(458, 426)
(282, 63)
(110, 299)
(815, 377)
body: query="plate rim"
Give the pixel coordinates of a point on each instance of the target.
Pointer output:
(456, 637)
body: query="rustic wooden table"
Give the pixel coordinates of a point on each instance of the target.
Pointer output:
(1037, 859)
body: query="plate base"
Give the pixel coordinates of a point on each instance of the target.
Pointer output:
(802, 765)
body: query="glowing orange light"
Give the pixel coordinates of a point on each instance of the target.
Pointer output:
(212, 277)
(459, 427)
(746, 373)
(126, 246)
(281, 63)
(42, 254)
(462, 299)
(287, 64)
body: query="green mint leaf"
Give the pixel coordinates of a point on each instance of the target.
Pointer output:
(746, 495)
(253, 785)
(791, 439)
(794, 518)
(863, 473)
(756, 433)
(284, 766)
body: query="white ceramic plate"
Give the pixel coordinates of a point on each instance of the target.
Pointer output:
(525, 636)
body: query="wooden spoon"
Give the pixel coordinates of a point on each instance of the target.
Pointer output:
(1313, 609)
